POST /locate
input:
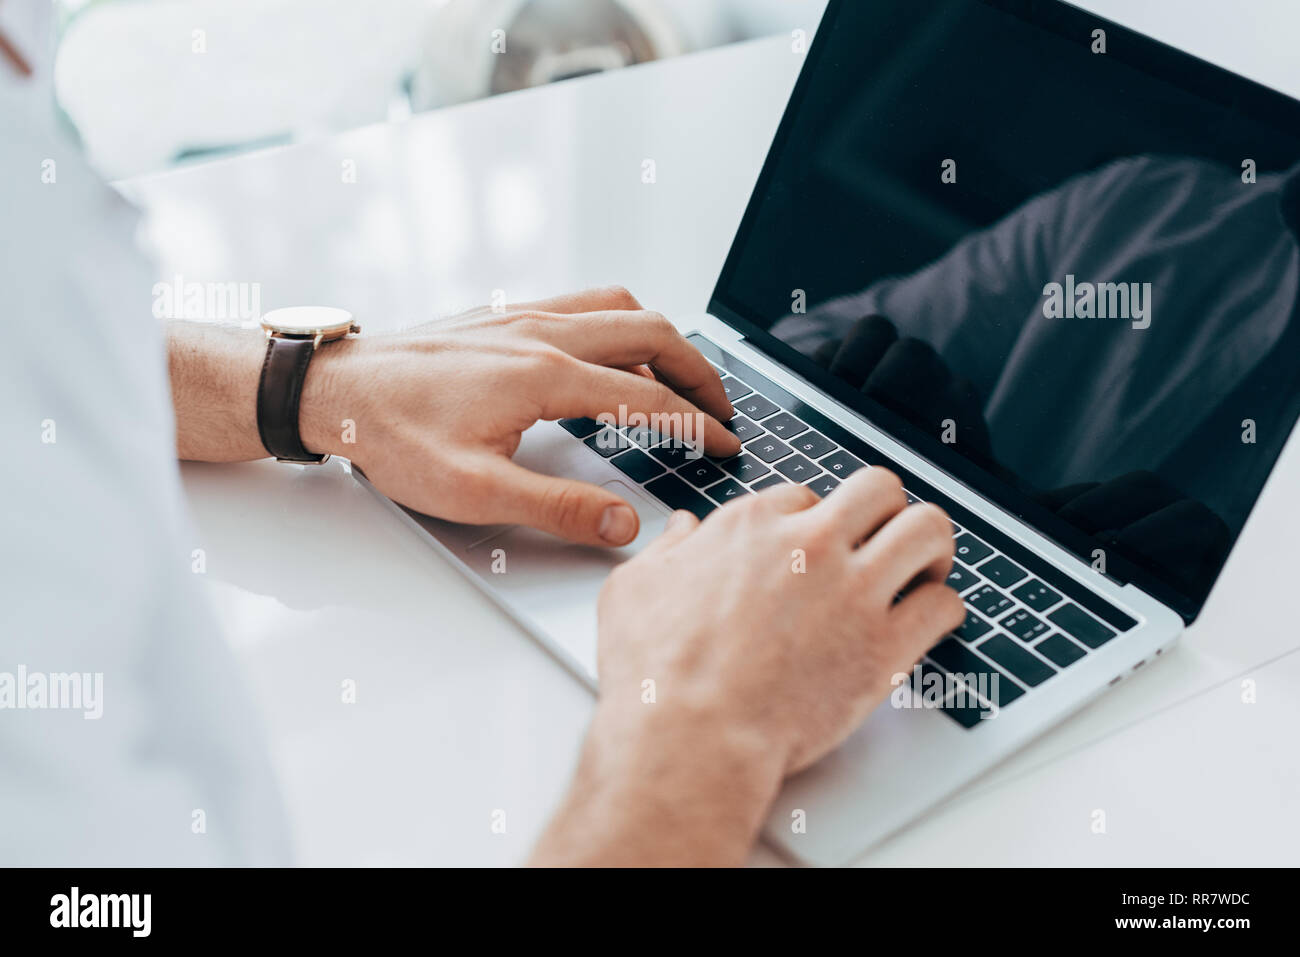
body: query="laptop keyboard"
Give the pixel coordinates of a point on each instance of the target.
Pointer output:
(1019, 631)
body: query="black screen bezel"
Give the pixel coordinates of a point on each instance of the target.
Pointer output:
(1141, 52)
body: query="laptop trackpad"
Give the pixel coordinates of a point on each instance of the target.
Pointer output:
(553, 584)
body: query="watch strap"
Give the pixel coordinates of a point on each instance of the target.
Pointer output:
(284, 369)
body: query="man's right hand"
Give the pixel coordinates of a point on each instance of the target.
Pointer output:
(738, 650)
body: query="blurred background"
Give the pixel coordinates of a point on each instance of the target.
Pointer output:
(148, 84)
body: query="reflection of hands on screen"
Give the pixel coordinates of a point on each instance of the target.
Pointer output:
(1148, 520)
(1139, 513)
(908, 377)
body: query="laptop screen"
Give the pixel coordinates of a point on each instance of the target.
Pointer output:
(1057, 258)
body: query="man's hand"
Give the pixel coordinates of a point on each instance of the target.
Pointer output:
(432, 415)
(769, 632)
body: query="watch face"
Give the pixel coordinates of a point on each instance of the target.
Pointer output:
(307, 320)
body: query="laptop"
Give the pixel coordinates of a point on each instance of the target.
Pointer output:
(1043, 268)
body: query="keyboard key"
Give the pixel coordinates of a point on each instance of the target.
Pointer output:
(743, 429)
(580, 428)
(1060, 650)
(756, 407)
(965, 710)
(785, 425)
(932, 681)
(938, 691)
(637, 466)
(1036, 595)
(745, 467)
(644, 437)
(769, 449)
(608, 442)
(735, 388)
(1002, 571)
(823, 485)
(953, 656)
(961, 577)
(770, 482)
(725, 491)
(674, 454)
(841, 464)
(989, 600)
(1024, 625)
(700, 473)
(911, 499)
(956, 529)
(814, 444)
(797, 468)
(676, 494)
(973, 628)
(971, 550)
(1024, 665)
(1077, 623)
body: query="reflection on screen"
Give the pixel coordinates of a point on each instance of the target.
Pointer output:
(1078, 276)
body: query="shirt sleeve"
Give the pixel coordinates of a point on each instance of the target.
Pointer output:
(127, 736)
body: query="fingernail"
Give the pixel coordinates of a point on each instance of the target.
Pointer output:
(617, 524)
(675, 519)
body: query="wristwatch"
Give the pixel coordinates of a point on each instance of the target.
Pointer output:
(292, 338)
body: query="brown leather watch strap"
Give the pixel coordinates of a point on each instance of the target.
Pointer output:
(278, 393)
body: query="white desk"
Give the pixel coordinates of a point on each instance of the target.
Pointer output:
(458, 712)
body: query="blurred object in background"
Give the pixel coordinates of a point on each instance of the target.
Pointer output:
(505, 45)
(147, 83)
(151, 83)
(477, 48)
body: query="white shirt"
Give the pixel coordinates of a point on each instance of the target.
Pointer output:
(96, 587)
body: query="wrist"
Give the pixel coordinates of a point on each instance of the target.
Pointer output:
(661, 786)
(326, 424)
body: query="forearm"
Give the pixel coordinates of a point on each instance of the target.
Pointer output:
(662, 793)
(214, 371)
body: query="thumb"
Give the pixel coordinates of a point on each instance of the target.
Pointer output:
(577, 511)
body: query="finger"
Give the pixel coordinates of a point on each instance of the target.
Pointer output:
(913, 546)
(786, 499)
(622, 339)
(1120, 502)
(825, 353)
(862, 349)
(923, 616)
(680, 525)
(863, 503)
(576, 511)
(909, 375)
(586, 300)
(596, 391)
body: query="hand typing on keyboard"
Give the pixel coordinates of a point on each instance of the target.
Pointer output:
(770, 630)
(439, 409)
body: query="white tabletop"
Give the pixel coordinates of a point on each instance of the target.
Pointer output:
(458, 714)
